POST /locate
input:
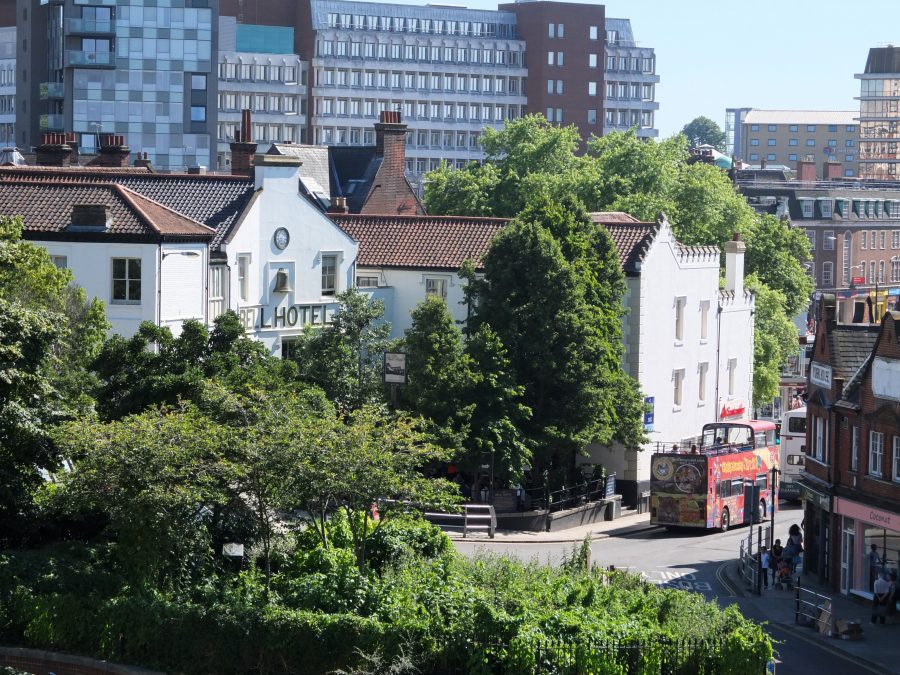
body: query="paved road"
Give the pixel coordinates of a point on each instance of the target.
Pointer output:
(692, 561)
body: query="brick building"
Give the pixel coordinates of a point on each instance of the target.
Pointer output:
(851, 480)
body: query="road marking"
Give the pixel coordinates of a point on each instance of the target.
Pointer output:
(720, 577)
(821, 645)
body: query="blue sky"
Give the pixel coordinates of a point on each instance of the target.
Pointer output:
(785, 54)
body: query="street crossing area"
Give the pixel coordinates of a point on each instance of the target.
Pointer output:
(681, 579)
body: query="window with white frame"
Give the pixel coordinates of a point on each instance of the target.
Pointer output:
(828, 241)
(288, 348)
(854, 448)
(818, 438)
(218, 289)
(704, 319)
(679, 317)
(895, 269)
(828, 274)
(732, 369)
(329, 274)
(243, 277)
(811, 236)
(678, 383)
(874, 234)
(367, 281)
(876, 453)
(436, 286)
(701, 385)
(881, 271)
(882, 237)
(126, 281)
(895, 463)
(60, 261)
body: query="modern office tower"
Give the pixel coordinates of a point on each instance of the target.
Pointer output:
(449, 71)
(826, 138)
(630, 74)
(123, 67)
(563, 39)
(7, 86)
(259, 71)
(879, 115)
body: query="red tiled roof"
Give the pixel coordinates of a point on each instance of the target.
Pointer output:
(433, 242)
(47, 208)
(609, 217)
(632, 241)
(216, 200)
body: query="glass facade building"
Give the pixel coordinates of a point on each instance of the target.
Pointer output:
(879, 115)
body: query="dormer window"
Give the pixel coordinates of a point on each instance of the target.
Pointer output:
(825, 207)
(89, 218)
(807, 207)
(842, 207)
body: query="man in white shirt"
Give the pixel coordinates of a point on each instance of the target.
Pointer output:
(882, 591)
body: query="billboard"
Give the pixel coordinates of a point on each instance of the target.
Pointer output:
(394, 368)
(678, 487)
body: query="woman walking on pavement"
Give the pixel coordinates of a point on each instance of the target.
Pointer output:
(775, 558)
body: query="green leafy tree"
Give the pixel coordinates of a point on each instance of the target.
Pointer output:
(533, 299)
(466, 390)
(344, 359)
(153, 476)
(704, 131)
(365, 461)
(463, 193)
(776, 253)
(48, 333)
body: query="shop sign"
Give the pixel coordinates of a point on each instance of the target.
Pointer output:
(649, 408)
(872, 516)
(820, 375)
(733, 412)
(817, 498)
(258, 317)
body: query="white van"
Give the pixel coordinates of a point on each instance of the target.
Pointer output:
(792, 452)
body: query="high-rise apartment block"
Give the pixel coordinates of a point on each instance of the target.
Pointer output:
(879, 115)
(171, 77)
(139, 70)
(7, 85)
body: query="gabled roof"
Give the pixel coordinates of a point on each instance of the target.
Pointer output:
(47, 209)
(419, 242)
(315, 172)
(850, 345)
(631, 237)
(212, 199)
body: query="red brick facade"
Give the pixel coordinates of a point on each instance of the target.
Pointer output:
(848, 495)
(391, 193)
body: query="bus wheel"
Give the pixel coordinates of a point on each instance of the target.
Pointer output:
(726, 520)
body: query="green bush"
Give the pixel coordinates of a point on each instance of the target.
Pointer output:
(400, 538)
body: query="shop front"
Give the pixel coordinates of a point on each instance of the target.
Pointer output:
(817, 519)
(863, 526)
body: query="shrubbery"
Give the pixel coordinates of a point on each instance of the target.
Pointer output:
(427, 606)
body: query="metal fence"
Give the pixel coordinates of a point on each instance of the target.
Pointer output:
(748, 562)
(657, 657)
(540, 498)
(812, 609)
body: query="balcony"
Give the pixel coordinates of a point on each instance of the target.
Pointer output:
(52, 90)
(90, 27)
(81, 59)
(52, 123)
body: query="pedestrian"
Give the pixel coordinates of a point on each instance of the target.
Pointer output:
(891, 601)
(775, 557)
(881, 591)
(875, 563)
(764, 565)
(794, 546)
(693, 448)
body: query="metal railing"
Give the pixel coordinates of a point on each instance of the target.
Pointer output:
(813, 609)
(473, 518)
(749, 566)
(664, 656)
(540, 499)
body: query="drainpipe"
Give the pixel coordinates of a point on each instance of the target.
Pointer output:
(718, 353)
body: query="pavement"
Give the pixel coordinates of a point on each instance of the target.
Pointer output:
(877, 652)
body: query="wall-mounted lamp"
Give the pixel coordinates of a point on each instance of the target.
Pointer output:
(186, 254)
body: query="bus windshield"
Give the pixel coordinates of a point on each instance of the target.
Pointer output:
(726, 434)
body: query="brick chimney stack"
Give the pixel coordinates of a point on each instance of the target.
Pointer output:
(806, 170)
(143, 161)
(55, 150)
(243, 149)
(113, 151)
(832, 170)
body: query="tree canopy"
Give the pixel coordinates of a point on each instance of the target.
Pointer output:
(529, 158)
(704, 131)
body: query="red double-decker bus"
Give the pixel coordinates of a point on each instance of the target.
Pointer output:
(723, 481)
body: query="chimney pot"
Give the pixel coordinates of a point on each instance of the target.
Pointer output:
(243, 149)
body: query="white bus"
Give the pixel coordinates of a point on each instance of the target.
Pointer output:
(792, 452)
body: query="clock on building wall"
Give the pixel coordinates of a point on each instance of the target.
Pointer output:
(281, 238)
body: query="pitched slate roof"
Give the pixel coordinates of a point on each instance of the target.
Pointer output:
(212, 199)
(353, 169)
(316, 177)
(47, 208)
(631, 237)
(850, 346)
(431, 242)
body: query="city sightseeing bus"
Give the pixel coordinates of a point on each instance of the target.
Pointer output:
(726, 482)
(792, 450)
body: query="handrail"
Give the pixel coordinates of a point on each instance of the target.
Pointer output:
(567, 497)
